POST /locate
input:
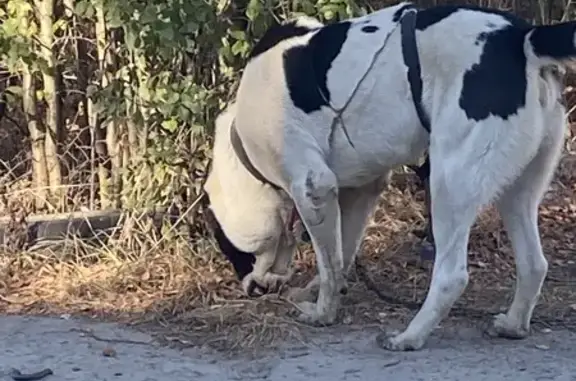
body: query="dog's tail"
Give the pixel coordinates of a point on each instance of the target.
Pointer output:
(551, 44)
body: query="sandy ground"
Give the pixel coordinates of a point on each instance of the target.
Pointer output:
(73, 349)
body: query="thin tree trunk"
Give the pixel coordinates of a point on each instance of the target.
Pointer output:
(83, 74)
(53, 120)
(37, 137)
(109, 183)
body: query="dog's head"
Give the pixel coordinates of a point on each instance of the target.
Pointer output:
(248, 219)
(242, 262)
(261, 257)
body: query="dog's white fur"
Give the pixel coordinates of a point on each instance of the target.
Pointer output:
(335, 188)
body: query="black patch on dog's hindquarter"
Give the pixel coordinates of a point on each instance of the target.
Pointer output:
(497, 84)
(277, 34)
(306, 67)
(242, 261)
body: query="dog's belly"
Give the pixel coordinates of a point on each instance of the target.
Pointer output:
(354, 174)
(363, 164)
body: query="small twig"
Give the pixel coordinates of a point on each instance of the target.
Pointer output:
(391, 363)
(7, 300)
(107, 340)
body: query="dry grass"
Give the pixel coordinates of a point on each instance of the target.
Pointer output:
(192, 298)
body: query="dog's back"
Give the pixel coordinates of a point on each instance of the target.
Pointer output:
(475, 66)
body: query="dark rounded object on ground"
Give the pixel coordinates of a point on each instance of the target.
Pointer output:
(19, 376)
(427, 252)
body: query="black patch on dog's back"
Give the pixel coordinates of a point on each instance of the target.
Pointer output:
(369, 29)
(306, 67)
(277, 34)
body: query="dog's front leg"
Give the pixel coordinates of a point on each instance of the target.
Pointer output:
(316, 198)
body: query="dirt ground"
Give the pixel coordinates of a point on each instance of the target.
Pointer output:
(79, 349)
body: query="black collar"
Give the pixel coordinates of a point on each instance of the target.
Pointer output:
(243, 157)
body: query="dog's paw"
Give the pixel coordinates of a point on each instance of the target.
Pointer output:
(256, 286)
(310, 314)
(275, 281)
(395, 341)
(503, 327)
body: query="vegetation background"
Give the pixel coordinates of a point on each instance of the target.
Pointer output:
(108, 110)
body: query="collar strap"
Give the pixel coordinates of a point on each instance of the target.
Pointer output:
(412, 61)
(243, 157)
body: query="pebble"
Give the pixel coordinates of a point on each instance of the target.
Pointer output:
(109, 352)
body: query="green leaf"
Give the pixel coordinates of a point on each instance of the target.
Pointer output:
(253, 9)
(59, 25)
(238, 47)
(167, 32)
(10, 27)
(172, 97)
(190, 27)
(308, 8)
(184, 113)
(114, 17)
(81, 7)
(170, 125)
(149, 15)
(238, 34)
(329, 8)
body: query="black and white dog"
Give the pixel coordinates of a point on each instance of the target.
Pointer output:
(324, 113)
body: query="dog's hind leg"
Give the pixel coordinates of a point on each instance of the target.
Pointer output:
(518, 207)
(468, 171)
